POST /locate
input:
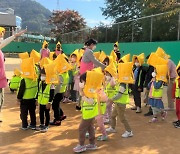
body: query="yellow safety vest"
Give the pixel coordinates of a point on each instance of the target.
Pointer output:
(43, 96)
(15, 82)
(124, 99)
(177, 91)
(89, 111)
(111, 91)
(64, 85)
(157, 93)
(31, 89)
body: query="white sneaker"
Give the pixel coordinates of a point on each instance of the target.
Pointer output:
(111, 130)
(138, 110)
(127, 134)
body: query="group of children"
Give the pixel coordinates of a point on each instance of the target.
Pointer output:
(101, 94)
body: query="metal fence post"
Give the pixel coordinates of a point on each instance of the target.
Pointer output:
(178, 36)
(118, 34)
(132, 36)
(151, 29)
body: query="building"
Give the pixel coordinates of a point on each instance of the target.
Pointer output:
(9, 21)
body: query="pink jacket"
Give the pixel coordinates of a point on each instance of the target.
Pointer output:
(85, 67)
(3, 79)
(44, 53)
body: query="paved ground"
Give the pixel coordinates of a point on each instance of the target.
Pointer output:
(159, 138)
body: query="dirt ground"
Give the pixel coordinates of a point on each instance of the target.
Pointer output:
(158, 138)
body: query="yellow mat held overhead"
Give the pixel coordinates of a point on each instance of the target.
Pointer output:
(94, 80)
(125, 73)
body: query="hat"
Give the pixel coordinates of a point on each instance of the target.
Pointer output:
(28, 68)
(162, 71)
(61, 64)
(51, 74)
(111, 68)
(94, 80)
(58, 44)
(44, 44)
(51, 55)
(2, 30)
(161, 53)
(125, 74)
(78, 55)
(97, 54)
(17, 72)
(102, 56)
(125, 58)
(35, 55)
(116, 44)
(24, 55)
(139, 57)
(45, 61)
(154, 60)
(113, 54)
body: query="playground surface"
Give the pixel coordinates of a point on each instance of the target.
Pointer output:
(149, 138)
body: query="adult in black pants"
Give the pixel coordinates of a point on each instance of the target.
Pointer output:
(137, 87)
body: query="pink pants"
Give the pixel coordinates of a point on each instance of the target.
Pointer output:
(108, 111)
(100, 123)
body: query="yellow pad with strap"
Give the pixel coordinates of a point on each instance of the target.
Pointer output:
(125, 73)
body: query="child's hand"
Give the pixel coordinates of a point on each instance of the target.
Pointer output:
(48, 106)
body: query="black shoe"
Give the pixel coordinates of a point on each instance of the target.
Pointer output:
(177, 125)
(0, 120)
(55, 123)
(176, 122)
(148, 114)
(63, 117)
(78, 107)
(32, 127)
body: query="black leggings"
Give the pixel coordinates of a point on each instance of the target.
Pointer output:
(42, 111)
(58, 112)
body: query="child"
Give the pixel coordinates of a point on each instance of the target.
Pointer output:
(15, 81)
(99, 118)
(137, 87)
(59, 93)
(120, 100)
(89, 111)
(110, 89)
(27, 97)
(176, 95)
(45, 97)
(155, 98)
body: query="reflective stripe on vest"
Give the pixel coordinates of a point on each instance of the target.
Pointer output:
(157, 93)
(177, 91)
(89, 111)
(31, 89)
(111, 91)
(64, 85)
(14, 83)
(139, 81)
(43, 96)
(124, 99)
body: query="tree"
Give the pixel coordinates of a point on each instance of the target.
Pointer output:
(66, 21)
(164, 26)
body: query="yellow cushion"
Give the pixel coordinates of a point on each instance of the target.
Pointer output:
(125, 73)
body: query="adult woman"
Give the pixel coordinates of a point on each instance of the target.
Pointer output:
(88, 61)
(3, 43)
